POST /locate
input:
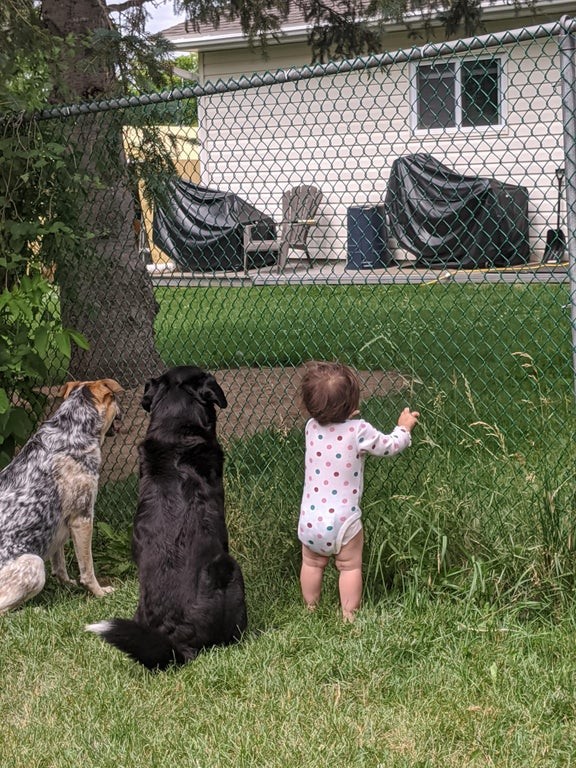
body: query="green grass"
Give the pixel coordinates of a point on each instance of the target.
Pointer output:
(433, 331)
(463, 652)
(435, 685)
(498, 354)
(481, 507)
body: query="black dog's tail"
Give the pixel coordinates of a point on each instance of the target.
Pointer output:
(144, 644)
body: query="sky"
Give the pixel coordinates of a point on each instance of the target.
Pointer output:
(162, 17)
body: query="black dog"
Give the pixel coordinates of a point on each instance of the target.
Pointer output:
(191, 589)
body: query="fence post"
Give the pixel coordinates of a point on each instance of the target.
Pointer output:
(568, 83)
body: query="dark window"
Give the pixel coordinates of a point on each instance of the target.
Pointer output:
(436, 96)
(455, 94)
(480, 93)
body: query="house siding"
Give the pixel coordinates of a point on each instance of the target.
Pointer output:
(342, 133)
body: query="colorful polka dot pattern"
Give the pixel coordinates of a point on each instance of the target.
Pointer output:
(334, 478)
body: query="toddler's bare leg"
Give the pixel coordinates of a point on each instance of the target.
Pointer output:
(311, 574)
(349, 563)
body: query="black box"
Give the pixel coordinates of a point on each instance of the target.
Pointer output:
(367, 238)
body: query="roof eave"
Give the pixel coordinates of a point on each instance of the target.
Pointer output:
(299, 33)
(217, 42)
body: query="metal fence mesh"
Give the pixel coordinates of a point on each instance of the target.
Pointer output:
(471, 327)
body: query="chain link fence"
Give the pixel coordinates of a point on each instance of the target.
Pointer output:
(410, 214)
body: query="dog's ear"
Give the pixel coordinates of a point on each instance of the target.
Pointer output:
(113, 386)
(150, 389)
(69, 387)
(110, 384)
(211, 392)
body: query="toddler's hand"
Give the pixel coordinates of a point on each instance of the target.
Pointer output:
(408, 419)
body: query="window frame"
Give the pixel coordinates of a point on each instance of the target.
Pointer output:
(458, 63)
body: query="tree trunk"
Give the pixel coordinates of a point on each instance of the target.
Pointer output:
(105, 290)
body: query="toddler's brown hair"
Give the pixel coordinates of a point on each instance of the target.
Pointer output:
(330, 391)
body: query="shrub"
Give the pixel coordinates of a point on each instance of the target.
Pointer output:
(36, 183)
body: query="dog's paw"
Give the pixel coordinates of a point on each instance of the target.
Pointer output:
(66, 580)
(99, 591)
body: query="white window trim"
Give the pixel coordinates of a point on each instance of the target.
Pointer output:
(458, 61)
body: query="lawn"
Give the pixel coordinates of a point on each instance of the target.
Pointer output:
(463, 654)
(483, 502)
(440, 684)
(434, 331)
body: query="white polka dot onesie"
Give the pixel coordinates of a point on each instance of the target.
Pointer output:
(330, 514)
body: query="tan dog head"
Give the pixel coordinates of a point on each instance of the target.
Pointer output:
(104, 392)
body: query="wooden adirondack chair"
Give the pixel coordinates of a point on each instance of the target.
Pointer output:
(299, 206)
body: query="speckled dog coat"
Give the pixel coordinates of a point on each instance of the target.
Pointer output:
(47, 493)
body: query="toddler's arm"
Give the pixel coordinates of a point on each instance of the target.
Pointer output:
(370, 440)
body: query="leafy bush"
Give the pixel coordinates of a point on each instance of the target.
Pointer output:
(35, 182)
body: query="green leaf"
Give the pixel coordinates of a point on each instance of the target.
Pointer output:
(19, 424)
(41, 340)
(4, 401)
(62, 340)
(78, 338)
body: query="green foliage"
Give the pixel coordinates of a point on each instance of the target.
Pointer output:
(188, 61)
(141, 61)
(112, 544)
(36, 224)
(185, 111)
(461, 514)
(344, 29)
(115, 553)
(26, 56)
(179, 112)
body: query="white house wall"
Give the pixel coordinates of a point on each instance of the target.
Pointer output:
(342, 133)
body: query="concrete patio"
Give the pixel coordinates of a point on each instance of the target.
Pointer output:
(336, 273)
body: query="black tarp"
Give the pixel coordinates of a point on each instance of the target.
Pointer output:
(201, 229)
(448, 220)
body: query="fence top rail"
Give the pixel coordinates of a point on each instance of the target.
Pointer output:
(566, 25)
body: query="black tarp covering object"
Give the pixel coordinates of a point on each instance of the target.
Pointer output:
(449, 220)
(201, 229)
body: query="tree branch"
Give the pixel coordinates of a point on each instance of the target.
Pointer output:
(126, 5)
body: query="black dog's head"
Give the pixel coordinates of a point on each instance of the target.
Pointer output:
(184, 392)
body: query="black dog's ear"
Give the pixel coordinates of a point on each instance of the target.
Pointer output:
(150, 389)
(211, 392)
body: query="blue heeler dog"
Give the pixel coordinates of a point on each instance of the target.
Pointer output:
(47, 493)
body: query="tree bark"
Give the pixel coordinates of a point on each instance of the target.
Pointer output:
(105, 290)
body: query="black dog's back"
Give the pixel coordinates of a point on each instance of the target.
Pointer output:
(191, 588)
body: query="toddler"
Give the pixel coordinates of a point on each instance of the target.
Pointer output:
(337, 442)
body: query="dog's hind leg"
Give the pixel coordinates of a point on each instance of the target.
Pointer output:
(20, 580)
(81, 532)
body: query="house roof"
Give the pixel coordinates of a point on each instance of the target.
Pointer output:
(229, 33)
(294, 29)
